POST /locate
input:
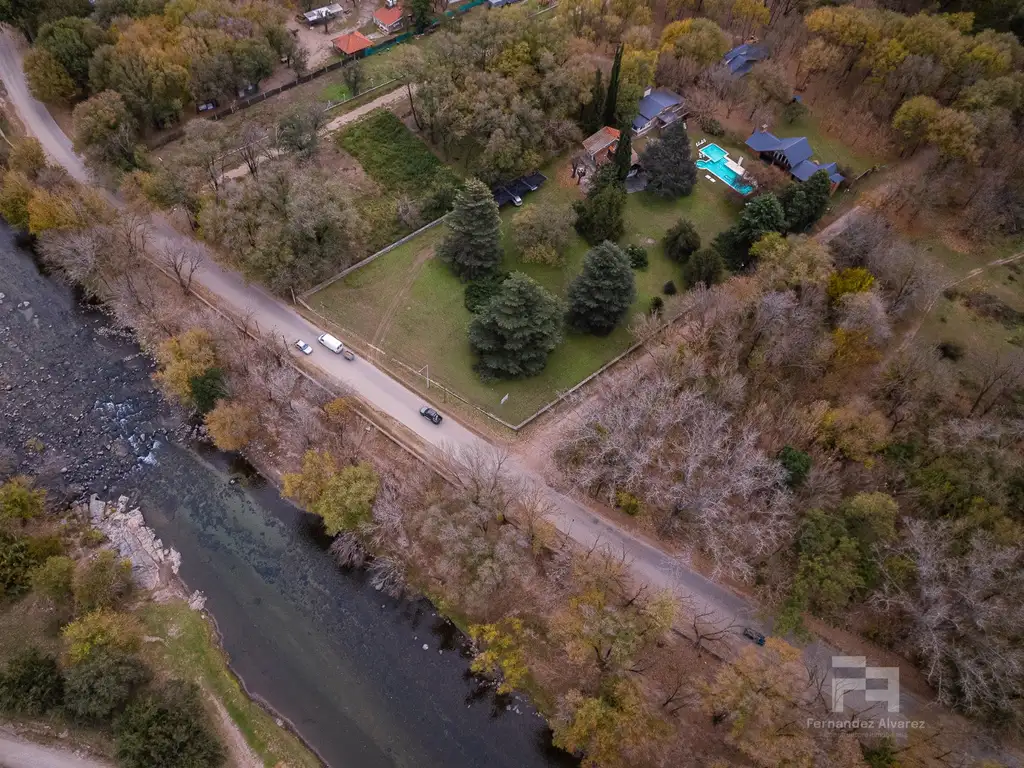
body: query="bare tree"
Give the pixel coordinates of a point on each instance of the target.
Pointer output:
(183, 259)
(997, 374)
(253, 149)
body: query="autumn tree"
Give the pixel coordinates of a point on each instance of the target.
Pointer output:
(513, 335)
(602, 293)
(232, 425)
(758, 697)
(103, 581)
(53, 580)
(47, 79)
(343, 498)
(607, 726)
(181, 359)
(27, 156)
(786, 262)
(668, 163)
(72, 42)
(543, 232)
(501, 652)
(105, 131)
(472, 246)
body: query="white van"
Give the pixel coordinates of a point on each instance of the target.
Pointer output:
(331, 343)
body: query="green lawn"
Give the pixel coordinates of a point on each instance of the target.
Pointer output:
(410, 305)
(826, 148)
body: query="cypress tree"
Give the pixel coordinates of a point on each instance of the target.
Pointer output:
(472, 247)
(681, 241)
(623, 157)
(514, 333)
(590, 114)
(611, 102)
(704, 267)
(603, 292)
(600, 216)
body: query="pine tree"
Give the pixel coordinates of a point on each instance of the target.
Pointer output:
(516, 331)
(603, 292)
(611, 102)
(669, 164)
(472, 246)
(805, 203)
(623, 157)
(600, 216)
(590, 114)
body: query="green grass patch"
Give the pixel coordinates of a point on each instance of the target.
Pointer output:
(335, 92)
(410, 304)
(189, 650)
(390, 153)
(826, 148)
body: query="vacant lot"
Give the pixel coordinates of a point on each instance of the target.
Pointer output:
(411, 306)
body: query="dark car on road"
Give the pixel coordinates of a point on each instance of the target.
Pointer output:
(754, 635)
(429, 413)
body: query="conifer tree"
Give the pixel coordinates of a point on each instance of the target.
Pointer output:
(472, 247)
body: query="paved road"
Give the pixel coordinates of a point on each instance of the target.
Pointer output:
(17, 753)
(649, 564)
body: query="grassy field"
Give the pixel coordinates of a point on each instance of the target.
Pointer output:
(826, 148)
(410, 305)
(189, 649)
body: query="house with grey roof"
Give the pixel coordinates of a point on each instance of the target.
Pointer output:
(658, 108)
(741, 59)
(794, 155)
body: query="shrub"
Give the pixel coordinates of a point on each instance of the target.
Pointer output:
(793, 111)
(15, 564)
(207, 388)
(705, 267)
(669, 288)
(796, 463)
(637, 256)
(852, 280)
(657, 305)
(53, 579)
(98, 687)
(542, 232)
(101, 629)
(480, 292)
(102, 582)
(42, 547)
(681, 241)
(710, 126)
(600, 216)
(31, 684)
(165, 729)
(628, 503)
(950, 350)
(19, 501)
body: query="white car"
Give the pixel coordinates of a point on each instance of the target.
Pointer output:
(304, 348)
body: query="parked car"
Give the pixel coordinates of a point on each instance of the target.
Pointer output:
(429, 413)
(754, 635)
(304, 348)
(331, 343)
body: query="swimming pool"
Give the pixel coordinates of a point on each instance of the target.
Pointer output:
(715, 161)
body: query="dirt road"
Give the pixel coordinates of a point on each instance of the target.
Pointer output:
(18, 753)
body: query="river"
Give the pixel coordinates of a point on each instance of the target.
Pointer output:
(368, 681)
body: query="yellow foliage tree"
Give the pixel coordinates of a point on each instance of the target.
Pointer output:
(14, 198)
(501, 655)
(27, 157)
(182, 358)
(307, 485)
(232, 425)
(101, 629)
(759, 696)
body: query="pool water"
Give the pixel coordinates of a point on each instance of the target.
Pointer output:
(713, 160)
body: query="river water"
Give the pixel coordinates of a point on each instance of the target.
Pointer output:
(366, 680)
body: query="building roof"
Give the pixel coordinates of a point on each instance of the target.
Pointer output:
(388, 16)
(656, 102)
(795, 150)
(603, 139)
(742, 59)
(803, 171)
(353, 42)
(327, 12)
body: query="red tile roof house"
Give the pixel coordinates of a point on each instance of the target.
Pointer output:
(388, 19)
(601, 146)
(352, 44)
